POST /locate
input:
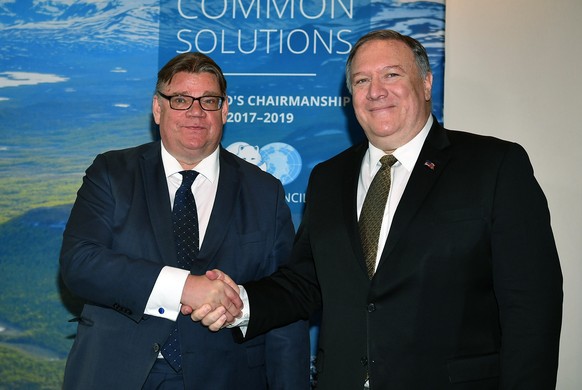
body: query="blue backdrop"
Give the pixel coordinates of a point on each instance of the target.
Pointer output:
(284, 61)
(77, 78)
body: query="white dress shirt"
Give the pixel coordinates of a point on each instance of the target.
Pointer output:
(164, 300)
(400, 173)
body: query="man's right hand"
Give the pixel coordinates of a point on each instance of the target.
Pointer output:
(216, 293)
(215, 318)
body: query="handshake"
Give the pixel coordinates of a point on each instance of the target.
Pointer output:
(213, 299)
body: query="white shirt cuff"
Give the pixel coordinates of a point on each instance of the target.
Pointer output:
(165, 297)
(243, 321)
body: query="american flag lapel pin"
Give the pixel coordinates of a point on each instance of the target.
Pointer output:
(430, 165)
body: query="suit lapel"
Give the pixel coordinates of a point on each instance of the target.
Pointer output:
(350, 189)
(224, 204)
(431, 162)
(158, 202)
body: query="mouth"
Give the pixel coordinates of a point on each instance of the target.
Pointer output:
(193, 127)
(381, 108)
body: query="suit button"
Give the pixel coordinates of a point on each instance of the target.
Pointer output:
(371, 307)
(156, 347)
(364, 361)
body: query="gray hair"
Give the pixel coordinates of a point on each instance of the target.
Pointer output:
(420, 55)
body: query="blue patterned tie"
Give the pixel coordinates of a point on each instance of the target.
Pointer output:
(186, 236)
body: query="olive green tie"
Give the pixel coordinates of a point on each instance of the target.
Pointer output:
(373, 211)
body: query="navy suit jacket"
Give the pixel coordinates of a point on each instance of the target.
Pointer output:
(118, 238)
(468, 290)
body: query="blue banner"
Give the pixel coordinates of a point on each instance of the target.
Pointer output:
(284, 62)
(77, 79)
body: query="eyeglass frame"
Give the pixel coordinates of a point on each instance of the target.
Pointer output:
(221, 100)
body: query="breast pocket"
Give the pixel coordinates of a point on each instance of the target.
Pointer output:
(252, 245)
(251, 238)
(459, 215)
(454, 232)
(246, 256)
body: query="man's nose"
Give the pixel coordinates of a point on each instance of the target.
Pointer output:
(195, 109)
(376, 89)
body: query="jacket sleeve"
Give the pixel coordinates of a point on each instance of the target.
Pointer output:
(96, 261)
(292, 292)
(527, 277)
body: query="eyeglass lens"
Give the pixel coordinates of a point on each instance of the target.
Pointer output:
(208, 103)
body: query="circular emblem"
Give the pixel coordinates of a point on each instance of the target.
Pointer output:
(279, 159)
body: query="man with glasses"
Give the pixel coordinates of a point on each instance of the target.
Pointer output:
(124, 254)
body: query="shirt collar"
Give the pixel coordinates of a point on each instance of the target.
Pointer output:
(209, 167)
(407, 154)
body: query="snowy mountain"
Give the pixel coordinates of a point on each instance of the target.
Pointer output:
(79, 22)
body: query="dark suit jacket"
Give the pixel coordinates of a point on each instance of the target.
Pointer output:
(118, 238)
(468, 291)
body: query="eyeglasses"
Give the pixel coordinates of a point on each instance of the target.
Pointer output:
(184, 102)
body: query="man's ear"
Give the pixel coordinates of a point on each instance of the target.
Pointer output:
(224, 110)
(156, 109)
(428, 87)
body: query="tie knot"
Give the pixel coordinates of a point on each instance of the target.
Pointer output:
(388, 160)
(188, 178)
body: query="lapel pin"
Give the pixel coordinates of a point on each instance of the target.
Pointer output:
(430, 165)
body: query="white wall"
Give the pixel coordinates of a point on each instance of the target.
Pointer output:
(513, 70)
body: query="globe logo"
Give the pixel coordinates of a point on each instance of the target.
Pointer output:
(279, 159)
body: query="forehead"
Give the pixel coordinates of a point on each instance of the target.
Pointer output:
(186, 82)
(380, 54)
